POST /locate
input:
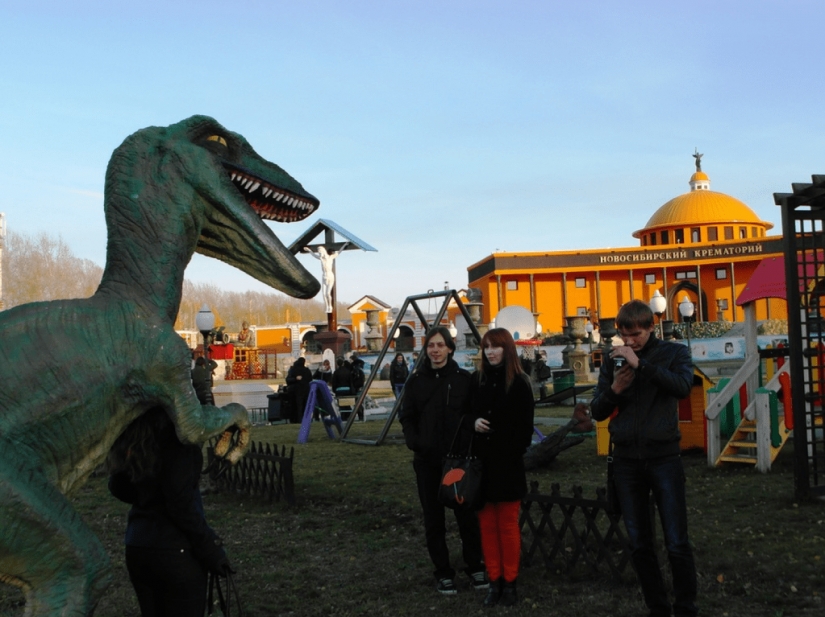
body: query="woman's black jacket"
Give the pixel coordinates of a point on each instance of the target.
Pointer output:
(510, 414)
(435, 401)
(167, 511)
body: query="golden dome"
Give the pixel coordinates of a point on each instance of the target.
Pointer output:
(702, 206)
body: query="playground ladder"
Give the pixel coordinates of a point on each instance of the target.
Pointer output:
(760, 435)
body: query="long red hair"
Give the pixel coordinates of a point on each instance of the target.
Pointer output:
(499, 337)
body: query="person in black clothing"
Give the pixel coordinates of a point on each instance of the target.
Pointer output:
(646, 454)
(435, 401)
(298, 379)
(202, 380)
(398, 374)
(342, 377)
(324, 372)
(501, 406)
(170, 548)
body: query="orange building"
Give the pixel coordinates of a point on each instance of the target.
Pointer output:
(702, 244)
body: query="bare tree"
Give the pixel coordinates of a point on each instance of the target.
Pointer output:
(44, 268)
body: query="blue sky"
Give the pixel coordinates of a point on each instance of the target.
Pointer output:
(437, 132)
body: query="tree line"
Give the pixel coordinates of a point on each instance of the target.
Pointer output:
(43, 267)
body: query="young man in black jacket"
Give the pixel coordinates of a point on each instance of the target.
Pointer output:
(645, 391)
(435, 400)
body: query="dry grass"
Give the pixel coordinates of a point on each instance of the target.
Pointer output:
(355, 546)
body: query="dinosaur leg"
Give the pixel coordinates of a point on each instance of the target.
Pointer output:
(45, 547)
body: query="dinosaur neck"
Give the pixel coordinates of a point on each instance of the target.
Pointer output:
(152, 237)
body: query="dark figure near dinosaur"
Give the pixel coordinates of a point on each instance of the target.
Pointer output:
(76, 373)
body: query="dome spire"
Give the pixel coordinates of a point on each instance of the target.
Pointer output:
(698, 158)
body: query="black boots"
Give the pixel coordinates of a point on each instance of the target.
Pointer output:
(501, 593)
(493, 593)
(508, 595)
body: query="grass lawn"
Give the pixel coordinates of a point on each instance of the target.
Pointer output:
(354, 544)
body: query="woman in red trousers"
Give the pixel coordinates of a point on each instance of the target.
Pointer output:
(501, 403)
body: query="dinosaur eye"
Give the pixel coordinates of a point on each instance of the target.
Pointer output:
(218, 139)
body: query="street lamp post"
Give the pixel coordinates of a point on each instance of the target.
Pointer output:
(686, 309)
(205, 322)
(658, 304)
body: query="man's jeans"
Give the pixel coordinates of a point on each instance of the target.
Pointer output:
(665, 478)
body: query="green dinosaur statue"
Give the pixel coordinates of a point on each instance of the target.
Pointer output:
(75, 373)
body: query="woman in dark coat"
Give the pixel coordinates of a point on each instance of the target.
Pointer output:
(298, 378)
(169, 545)
(501, 403)
(398, 373)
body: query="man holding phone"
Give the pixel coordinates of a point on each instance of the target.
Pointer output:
(643, 382)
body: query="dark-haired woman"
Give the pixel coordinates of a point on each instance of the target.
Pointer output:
(169, 546)
(398, 374)
(501, 404)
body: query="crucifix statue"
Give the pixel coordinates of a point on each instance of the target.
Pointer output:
(327, 259)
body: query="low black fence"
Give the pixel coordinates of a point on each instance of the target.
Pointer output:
(571, 534)
(262, 472)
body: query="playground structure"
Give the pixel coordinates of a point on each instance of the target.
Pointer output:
(799, 383)
(742, 411)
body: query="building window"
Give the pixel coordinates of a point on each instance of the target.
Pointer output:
(581, 311)
(512, 285)
(713, 234)
(753, 232)
(695, 234)
(722, 303)
(581, 282)
(743, 232)
(728, 233)
(644, 240)
(679, 236)
(721, 273)
(650, 279)
(681, 275)
(664, 236)
(653, 239)
(690, 274)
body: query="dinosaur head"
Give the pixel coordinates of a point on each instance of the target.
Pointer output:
(213, 193)
(241, 189)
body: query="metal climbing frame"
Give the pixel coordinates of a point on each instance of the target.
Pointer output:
(803, 214)
(412, 301)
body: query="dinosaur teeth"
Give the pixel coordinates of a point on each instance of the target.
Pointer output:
(254, 187)
(233, 176)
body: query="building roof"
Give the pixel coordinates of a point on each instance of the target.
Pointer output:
(767, 281)
(701, 206)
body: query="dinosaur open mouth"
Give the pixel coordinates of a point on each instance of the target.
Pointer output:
(269, 201)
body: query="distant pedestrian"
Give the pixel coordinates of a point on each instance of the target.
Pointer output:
(202, 380)
(298, 378)
(398, 374)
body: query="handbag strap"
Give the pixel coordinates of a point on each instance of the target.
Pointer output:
(224, 601)
(455, 436)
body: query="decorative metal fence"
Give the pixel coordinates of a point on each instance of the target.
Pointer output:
(262, 472)
(570, 531)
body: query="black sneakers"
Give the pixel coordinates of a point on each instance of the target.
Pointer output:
(479, 580)
(446, 586)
